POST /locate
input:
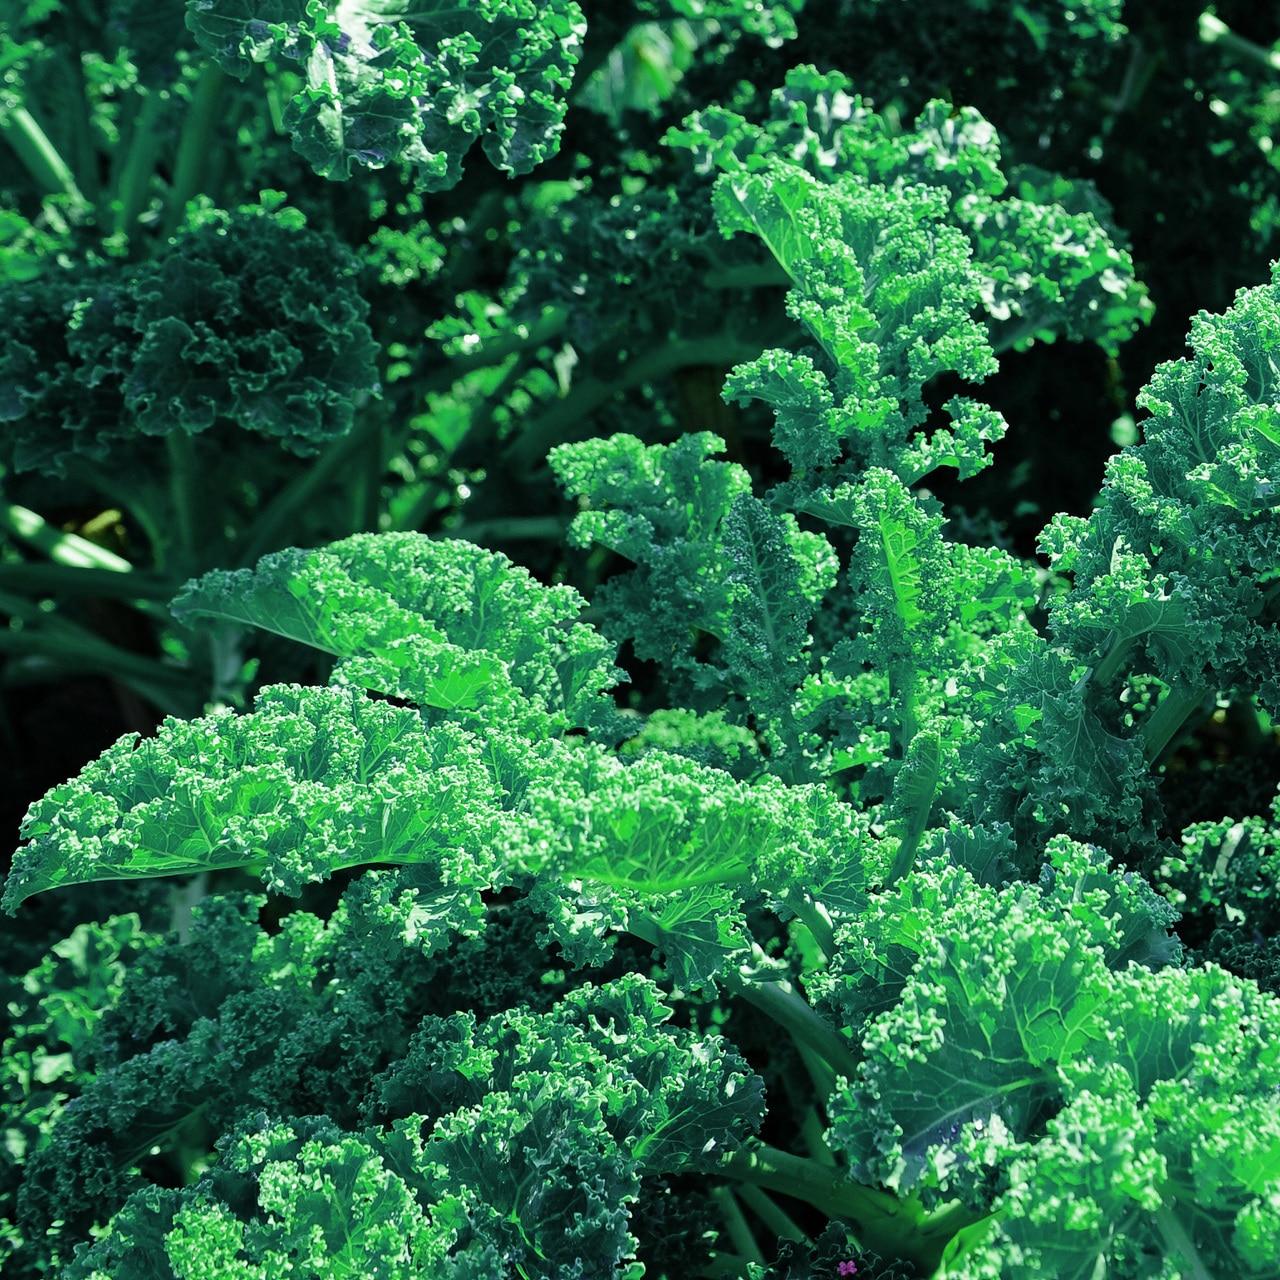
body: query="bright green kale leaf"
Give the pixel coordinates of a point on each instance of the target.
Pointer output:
(1224, 880)
(313, 780)
(883, 283)
(291, 1020)
(1044, 759)
(1047, 264)
(1166, 1157)
(1174, 574)
(302, 1195)
(385, 83)
(440, 622)
(982, 1015)
(54, 1013)
(1003, 992)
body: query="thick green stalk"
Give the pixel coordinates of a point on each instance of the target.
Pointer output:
(84, 157)
(59, 546)
(896, 1227)
(1180, 1245)
(815, 1139)
(781, 1223)
(140, 163)
(367, 487)
(196, 144)
(183, 490)
(1162, 725)
(40, 157)
(736, 1225)
(1112, 661)
(73, 580)
(781, 1002)
(1214, 31)
(813, 915)
(902, 689)
(277, 514)
(80, 650)
(821, 1072)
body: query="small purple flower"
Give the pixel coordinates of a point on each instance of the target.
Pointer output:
(847, 1269)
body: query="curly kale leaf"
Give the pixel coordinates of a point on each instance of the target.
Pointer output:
(506, 1155)
(1182, 1143)
(440, 622)
(248, 319)
(304, 1195)
(313, 780)
(1224, 879)
(316, 780)
(389, 83)
(1087, 1115)
(710, 561)
(1174, 574)
(883, 283)
(1047, 264)
(55, 1013)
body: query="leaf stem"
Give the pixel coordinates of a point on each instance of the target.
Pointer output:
(63, 548)
(1214, 31)
(897, 1227)
(40, 157)
(736, 1225)
(1180, 1244)
(182, 490)
(1163, 724)
(72, 580)
(780, 1001)
(813, 915)
(781, 1223)
(276, 514)
(195, 143)
(140, 163)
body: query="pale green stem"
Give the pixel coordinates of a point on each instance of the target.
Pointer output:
(1180, 1244)
(1214, 31)
(64, 548)
(140, 163)
(736, 1226)
(277, 514)
(886, 1223)
(183, 487)
(196, 143)
(814, 1138)
(776, 1219)
(1163, 724)
(40, 157)
(781, 1002)
(813, 915)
